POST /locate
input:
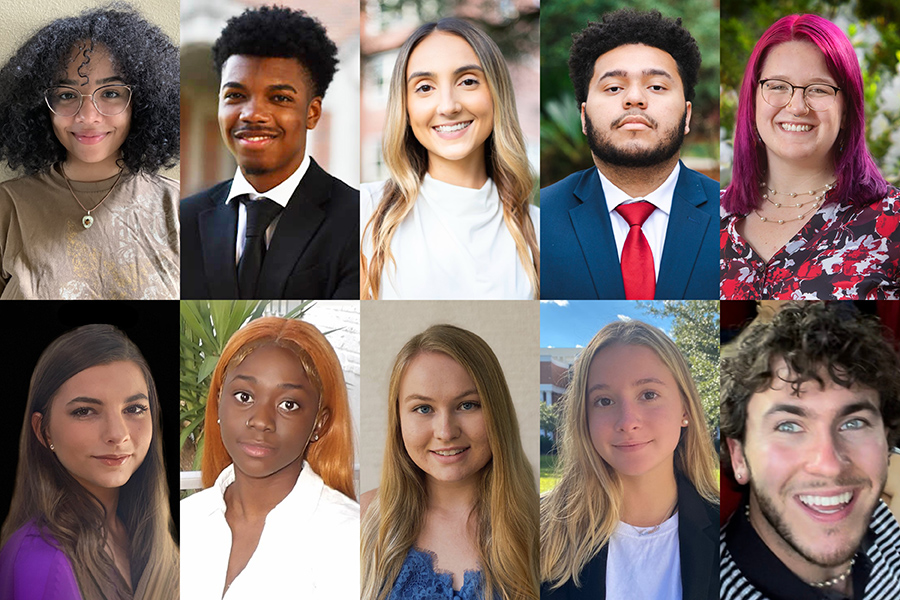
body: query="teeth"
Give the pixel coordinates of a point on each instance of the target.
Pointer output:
(793, 127)
(256, 138)
(449, 452)
(826, 502)
(452, 128)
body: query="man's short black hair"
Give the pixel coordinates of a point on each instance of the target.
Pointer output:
(813, 339)
(628, 26)
(277, 32)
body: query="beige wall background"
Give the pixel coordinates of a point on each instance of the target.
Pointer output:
(22, 18)
(511, 329)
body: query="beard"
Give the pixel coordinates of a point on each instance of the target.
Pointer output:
(606, 151)
(780, 525)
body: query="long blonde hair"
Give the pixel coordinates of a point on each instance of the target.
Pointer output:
(505, 159)
(506, 509)
(579, 515)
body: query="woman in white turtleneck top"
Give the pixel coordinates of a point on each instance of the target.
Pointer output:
(455, 220)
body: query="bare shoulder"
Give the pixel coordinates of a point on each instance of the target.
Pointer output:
(365, 499)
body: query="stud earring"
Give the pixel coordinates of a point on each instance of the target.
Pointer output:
(316, 438)
(247, 423)
(684, 422)
(738, 476)
(218, 421)
(52, 448)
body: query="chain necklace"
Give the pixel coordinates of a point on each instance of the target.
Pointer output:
(774, 192)
(816, 202)
(654, 529)
(828, 582)
(88, 220)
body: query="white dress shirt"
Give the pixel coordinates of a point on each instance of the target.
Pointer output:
(279, 194)
(309, 547)
(655, 226)
(452, 245)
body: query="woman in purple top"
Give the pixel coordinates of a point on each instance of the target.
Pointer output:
(90, 515)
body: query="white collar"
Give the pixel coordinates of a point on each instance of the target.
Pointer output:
(661, 197)
(281, 193)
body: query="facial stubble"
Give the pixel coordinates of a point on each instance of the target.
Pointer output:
(606, 151)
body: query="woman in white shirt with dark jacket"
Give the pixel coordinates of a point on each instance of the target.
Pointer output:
(455, 219)
(635, 513)
(280, 520)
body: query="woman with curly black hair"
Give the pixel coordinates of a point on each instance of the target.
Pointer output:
(89, 112)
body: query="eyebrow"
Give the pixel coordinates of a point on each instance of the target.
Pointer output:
(90, 400)
(103, 81)
(472, 392)
(814, 80)
(283, 386)
(458, 70)
(643, 381)
(800, 411)
(645, 73)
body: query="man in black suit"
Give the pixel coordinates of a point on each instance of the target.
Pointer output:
(639, 224)
(283, 227)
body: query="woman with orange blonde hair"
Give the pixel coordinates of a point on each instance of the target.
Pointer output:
(278, 456)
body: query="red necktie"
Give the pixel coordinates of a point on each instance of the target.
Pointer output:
(638, 271)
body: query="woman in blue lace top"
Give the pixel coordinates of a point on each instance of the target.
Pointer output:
(455, 515)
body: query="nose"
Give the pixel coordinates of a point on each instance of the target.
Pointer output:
(262, 417)
(798, 107)
(634, 96)
(826, 455)
(88, 113)
(449, 103)
(252, 111)
(446, 426)
(628, 418)
(116, 428)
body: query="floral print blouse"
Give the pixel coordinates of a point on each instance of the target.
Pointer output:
(843, 252)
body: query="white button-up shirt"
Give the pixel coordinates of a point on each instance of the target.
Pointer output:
(309, 547)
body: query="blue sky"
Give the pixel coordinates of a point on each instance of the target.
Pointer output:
(572, 323)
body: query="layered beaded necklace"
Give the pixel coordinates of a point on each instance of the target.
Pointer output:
(817, 194)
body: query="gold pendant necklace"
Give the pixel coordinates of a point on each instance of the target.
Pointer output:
(88, 219)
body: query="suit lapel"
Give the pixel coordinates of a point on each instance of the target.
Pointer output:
(218, 228)
(590, 219)
(698, 541)
(302, 216)
(684, 236)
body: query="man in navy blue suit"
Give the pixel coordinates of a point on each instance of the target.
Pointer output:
(640, 225)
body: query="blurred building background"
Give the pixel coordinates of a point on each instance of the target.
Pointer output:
(386, 24)
(334, 143)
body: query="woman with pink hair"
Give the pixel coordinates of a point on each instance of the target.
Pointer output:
(807, 214)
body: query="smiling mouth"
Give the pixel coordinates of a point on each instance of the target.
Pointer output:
(89, 138)
(452, 452)
(795, 127)
(452, 128)
(113, 460)
(826, 505)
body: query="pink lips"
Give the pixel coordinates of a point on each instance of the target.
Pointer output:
(451, 135)
(630, 446)
(90, 138)
(452, 458)
(256, 450)
(113, 460)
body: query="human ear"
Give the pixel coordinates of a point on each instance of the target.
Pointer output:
(324, 415)
(738, 461)
(687, 118)
(583, 128)
(313, 112)
(36, 420)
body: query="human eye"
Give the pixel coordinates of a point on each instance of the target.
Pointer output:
(82, 411)
(243, 397)
(469, 82)
(424, 88)
(136, 409)
(289, 405)
(788, 427)
(614, 89)
(775, 85)
(231, 95)
(469, 405)
(819, 90)
(649, 395)
(854, 424)
(423, 409)
(603, 401)
(65, 95)
(111, 93)
(282, 98)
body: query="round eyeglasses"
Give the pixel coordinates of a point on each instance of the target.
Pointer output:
(778, 93)
(109, 100)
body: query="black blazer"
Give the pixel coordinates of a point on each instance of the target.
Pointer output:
(314, 253)
(579, 260)
(698, 540)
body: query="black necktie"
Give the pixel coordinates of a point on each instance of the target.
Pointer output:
(260, 213)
